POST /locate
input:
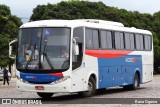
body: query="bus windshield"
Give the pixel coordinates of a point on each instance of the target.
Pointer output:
(43, 49)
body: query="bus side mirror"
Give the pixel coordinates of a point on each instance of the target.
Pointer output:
(75, 47)
(10, 49)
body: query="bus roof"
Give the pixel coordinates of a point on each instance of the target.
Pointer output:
(91, 23)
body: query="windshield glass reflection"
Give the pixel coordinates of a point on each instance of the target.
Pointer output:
(45, 49)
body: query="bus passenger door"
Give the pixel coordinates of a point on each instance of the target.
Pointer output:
(79, 37)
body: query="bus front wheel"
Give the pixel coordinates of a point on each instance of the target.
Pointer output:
(45, 95)
(91, 88)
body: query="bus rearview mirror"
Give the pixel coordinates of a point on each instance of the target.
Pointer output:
(76, 49)
(10, 49)
(75, 46)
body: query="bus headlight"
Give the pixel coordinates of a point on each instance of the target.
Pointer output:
(61, 80)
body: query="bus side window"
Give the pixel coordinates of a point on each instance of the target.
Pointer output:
(119, 40)
(78, 35)
(139, 42)
(147, 40)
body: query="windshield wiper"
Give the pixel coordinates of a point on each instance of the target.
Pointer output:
(46, 56)
(48, 60)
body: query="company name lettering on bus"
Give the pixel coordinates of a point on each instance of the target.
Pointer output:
(131, 60)
(31, 77)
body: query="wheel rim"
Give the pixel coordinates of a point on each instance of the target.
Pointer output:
(136, 82)
(90, 87)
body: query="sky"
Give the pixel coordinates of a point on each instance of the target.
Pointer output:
(23, 8)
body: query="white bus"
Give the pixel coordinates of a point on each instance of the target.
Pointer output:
(81, 56)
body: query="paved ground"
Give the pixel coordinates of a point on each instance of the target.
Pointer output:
(148, 90)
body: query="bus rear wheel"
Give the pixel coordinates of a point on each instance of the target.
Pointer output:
(45, 95)
(135, 85)
(136, 82)
(91, 88)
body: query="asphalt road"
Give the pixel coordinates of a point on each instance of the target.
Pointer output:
(106, 98)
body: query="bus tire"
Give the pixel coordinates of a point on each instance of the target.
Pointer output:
(45, 95)
(136, 82)
(91, 90)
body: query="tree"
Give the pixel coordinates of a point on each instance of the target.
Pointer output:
(74, 9)
(9, 25)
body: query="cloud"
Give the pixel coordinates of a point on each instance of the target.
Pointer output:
(143, 6)
(23, 8)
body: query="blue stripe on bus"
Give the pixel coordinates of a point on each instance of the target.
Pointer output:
(118, 71)
(39, 78)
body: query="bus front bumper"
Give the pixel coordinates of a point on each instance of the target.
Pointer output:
(61, 87)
